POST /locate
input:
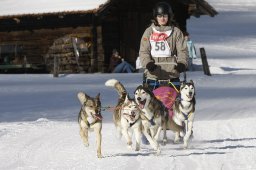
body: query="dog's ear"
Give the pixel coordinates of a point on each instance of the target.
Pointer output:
(191, 82)
(194, 99)
(126, 100)
(182, 84)
(97, 99)
(98, 96)
(145, 85)
(139, 87)
(82, 97)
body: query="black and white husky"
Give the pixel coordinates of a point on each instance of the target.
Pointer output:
(184, 111)
(90, 118)
(153, 116)
(126, 115)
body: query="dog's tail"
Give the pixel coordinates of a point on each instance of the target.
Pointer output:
(118, 86)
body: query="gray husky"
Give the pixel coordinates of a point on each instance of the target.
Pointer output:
(90, 118)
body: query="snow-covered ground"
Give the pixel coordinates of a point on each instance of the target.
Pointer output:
(38, 113)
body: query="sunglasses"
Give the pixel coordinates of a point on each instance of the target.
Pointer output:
(162, 15)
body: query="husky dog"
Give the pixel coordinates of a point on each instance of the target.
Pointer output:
(153, 116)
(184, 111)
(90, 118)
(126, 115)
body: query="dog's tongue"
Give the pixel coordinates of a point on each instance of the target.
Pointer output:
(141, 106)
(98, 116)
(189, 97)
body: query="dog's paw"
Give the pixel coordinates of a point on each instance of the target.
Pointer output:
(86, 144)
(129, 147)
(176, 141)
(129, 143)
(158, 151)
(155, 146)
(137, 148)
(185, 146)
(99, 155)
(164, 141)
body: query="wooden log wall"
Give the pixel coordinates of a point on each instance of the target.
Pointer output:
(36, 43)
(100, 51)
(74, 53)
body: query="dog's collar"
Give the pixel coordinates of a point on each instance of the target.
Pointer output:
(131, 124)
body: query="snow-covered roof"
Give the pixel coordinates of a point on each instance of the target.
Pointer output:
(26, 7)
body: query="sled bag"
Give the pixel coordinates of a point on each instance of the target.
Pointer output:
(167, 96)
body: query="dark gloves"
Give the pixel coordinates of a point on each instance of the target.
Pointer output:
(180, 67)
(151, 66)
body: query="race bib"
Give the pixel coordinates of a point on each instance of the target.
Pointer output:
(159, 45)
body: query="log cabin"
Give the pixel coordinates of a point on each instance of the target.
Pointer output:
(81, 34)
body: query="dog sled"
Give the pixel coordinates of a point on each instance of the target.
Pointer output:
(166, 91)
(178, 98)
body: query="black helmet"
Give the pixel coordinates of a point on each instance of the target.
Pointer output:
(162, 8)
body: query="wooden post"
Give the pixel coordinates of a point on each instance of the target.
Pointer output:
(74, 43)
(56, 67)
(205, 62)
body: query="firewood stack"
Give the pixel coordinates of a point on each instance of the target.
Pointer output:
(73, 55)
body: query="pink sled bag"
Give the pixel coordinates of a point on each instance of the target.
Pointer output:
(167, 96)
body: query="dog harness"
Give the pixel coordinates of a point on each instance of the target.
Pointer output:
(186, 116)
(186, 119)
(131, 124)
(158, 83)
(151, 121)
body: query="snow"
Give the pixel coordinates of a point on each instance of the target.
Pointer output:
(16, 7)
(38, 113)
(233, 5)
